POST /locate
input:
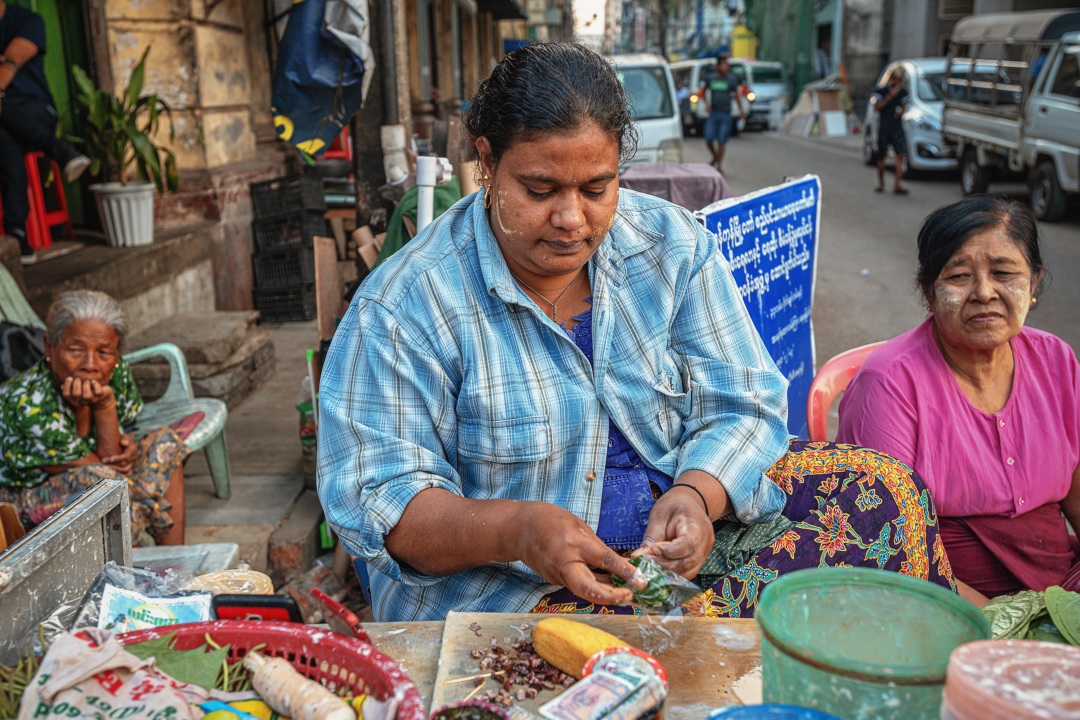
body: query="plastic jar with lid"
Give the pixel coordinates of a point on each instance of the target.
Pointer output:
(1012, 680)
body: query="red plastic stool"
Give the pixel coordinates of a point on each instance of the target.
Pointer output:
(341, 148)
(40, 222)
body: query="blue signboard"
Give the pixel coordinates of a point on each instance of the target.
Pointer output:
(769, 238)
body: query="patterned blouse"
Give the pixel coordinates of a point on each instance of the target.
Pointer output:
(37, 427)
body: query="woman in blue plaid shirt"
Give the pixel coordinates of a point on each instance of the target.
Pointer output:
(556, 374)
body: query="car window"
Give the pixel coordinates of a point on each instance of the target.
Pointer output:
(646, 92)
(1067, 81)
(766, 75)
(739, 71)
(931, 87)
(682, 75)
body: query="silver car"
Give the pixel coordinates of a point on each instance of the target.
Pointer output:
(924, 80)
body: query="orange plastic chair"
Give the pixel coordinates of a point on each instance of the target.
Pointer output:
(831, 380)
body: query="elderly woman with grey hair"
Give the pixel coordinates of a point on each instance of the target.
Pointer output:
(62, 426)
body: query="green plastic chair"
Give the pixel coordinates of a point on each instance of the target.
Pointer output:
(178, 402)
(179, 399)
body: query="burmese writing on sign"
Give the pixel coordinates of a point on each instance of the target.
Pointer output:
(770, 241)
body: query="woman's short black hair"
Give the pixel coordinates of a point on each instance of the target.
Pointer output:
(545, 87)
(946, 230)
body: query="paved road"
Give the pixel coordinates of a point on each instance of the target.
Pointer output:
(866, 263)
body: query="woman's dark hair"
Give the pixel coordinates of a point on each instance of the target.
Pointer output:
(545, 87)
(946, 230)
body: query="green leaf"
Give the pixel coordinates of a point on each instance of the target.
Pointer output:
(1064, 608)
(201, 666)
(138, 77)
(1011, 616)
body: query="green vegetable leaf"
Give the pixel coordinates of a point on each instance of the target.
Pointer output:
(201, 666)
(1064, 608)
(1011, 616)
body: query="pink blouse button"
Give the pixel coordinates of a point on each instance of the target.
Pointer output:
(1010, 461)
(1001, 423)
(1020, 501)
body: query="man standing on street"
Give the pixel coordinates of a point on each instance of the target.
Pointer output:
(721, 89)
(27, 117)
(890, 101)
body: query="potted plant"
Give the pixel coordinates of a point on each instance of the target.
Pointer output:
(119, 132)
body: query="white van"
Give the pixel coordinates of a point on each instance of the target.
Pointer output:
(650, 93)
(766, 91)
(694, 75)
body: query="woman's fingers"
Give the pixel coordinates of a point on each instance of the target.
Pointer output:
(614, 564)
(589, 586)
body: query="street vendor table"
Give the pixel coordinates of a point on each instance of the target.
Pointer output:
(710, 662)
(692, 185)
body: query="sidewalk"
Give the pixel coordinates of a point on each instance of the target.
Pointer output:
(270, 515)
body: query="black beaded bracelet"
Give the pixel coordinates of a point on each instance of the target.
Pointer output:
(700, 495)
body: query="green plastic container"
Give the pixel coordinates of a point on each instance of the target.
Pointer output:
(861, 644)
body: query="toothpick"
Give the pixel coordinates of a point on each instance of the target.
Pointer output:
(475, 690)
(474, 677)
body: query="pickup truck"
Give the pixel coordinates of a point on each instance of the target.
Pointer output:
(1012, 104)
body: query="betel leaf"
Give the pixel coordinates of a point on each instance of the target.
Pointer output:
(200, 666)
(1064, 608)
(1011, 616)
(1044, 630)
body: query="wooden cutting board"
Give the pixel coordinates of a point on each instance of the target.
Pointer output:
(705, 658)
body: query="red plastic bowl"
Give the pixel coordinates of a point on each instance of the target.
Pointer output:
(344, 665)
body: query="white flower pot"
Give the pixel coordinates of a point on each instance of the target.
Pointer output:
(127, 212)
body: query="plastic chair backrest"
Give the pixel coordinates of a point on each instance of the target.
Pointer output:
(179, 382)
(831, 380)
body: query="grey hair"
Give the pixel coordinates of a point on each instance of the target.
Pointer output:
(78, 305)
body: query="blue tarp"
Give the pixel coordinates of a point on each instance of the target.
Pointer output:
(323, 68)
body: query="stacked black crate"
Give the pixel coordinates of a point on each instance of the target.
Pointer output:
(289, 213)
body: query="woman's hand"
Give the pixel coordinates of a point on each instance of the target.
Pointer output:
(679, 535)
(560, 548)
(88, 393)
(124, 461)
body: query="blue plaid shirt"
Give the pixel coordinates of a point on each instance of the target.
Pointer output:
(444, 374)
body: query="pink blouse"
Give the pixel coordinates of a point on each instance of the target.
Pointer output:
(906, 402)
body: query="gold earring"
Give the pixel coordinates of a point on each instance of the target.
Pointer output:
(929, 309)
(1034, 300)
(487, 197)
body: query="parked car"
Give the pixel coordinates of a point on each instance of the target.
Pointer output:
(694, 75)
(766, 85)
(650, 92)
(924, 80)
(1012, 103)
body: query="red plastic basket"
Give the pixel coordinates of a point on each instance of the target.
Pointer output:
(344, 665)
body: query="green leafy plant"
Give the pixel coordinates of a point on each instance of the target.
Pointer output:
(119, 131)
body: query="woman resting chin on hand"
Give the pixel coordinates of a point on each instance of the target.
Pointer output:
(557, 374)
(61, 426)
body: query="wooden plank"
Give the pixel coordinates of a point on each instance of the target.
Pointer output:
(328, 286)
(705, 658)
(415, 647)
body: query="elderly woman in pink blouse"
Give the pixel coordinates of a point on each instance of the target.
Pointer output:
(985, 409)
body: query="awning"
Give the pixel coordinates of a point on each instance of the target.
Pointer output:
(502, 9)
(1018, 27)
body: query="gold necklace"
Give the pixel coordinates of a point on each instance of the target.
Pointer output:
(554, 305)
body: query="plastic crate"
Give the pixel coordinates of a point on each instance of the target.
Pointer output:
(288, 231)
(282, 268)
(289, 304)
(287, 195)
(344, 665)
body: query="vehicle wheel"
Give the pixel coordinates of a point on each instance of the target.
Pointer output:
(868, 155)
(974, 178)
(1048, 201)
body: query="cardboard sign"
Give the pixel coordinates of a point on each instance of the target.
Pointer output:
(769, 238)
